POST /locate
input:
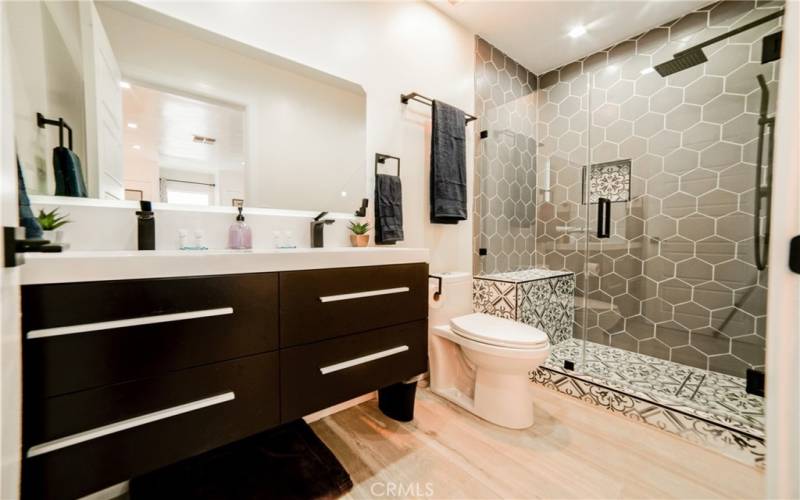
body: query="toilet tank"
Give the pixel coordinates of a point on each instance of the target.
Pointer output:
(455, 300)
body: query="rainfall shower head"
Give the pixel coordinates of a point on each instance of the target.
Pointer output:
(681, 61)
(693, 56)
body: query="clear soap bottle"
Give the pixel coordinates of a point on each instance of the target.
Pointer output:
(240, 236)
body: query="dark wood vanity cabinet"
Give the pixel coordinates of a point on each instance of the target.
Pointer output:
(123, 377)
(328, 303)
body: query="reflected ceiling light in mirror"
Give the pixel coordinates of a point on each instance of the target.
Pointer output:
(133, 125)
(577, 31)
(124, 85)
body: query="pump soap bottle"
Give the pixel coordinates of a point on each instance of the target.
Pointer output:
(240, 236)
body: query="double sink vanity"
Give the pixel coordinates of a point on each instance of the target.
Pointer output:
(135, 360)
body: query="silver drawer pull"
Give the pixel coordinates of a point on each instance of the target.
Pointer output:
(82, 437)
(363, 359)
(359, 295)
(122, 323)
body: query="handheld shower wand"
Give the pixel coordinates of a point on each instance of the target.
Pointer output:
(763, 191)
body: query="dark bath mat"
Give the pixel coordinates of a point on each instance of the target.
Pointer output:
(289, 462)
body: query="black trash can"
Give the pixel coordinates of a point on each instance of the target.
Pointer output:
(397, 401)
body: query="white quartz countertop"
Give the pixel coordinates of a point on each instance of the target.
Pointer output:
(69, 267)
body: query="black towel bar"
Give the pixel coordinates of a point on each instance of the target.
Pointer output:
(381, 158)
(413, 96)
(41, 121)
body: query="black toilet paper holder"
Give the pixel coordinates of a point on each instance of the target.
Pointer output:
(438, 292)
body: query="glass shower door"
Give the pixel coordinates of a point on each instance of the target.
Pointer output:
(563, 116)
(678, 302)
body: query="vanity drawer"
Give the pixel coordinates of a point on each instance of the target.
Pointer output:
(124, 430)
(84, 335)
(320, 375)
(327, 303)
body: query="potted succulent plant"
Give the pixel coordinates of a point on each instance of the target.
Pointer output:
(359, 238)
(50, 222)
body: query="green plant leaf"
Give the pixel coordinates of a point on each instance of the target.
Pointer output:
(359, 228)
(52, 220)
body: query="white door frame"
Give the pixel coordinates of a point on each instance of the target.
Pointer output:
(783, 306)
(10, 338)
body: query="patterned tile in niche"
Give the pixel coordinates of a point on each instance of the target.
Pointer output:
(610, 180)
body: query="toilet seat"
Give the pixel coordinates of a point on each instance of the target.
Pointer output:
(496, 331)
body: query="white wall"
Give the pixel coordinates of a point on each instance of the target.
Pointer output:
(389, 48)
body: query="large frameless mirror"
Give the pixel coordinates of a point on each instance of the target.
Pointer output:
(116, 101)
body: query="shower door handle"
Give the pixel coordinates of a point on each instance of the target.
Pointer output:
(603, 218)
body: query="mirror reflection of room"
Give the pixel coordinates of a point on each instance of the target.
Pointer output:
(161, 111)
(180, 149)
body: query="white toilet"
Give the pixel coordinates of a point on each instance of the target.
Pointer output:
(478, 361)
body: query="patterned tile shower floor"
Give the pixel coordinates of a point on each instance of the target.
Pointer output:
(715, 397)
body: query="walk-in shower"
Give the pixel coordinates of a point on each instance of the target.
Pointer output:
(634, 168)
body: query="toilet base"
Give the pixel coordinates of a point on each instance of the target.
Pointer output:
(502, 399)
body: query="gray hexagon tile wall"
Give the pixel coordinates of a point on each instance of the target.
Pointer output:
(676, 280)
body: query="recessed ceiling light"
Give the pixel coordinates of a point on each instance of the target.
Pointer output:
(132, 125)
(577, 31)
(124, 85)
(647, 71)
(137, 147)
(344, 194)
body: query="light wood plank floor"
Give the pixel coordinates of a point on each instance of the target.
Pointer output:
(572, 451)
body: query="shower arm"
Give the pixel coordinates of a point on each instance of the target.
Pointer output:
(740, 29)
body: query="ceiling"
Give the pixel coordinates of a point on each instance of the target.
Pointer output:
(535, 33)
(166, 123)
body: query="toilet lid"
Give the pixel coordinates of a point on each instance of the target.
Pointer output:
(498, 331)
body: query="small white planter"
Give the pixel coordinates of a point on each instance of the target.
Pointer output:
(55, 237)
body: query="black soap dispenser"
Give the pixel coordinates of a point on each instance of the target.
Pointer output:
(147, 226)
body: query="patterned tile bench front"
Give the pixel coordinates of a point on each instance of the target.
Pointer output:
(538, 297)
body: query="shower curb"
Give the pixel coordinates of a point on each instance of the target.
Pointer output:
(735, 444)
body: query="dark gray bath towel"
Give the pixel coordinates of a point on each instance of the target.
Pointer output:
(68, 173)
(388, 209)
(448, 165)
(33, 230)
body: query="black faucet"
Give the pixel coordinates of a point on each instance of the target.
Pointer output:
(317, 226)
(146, 226)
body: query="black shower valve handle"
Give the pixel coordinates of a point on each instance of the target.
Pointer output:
(603, 218)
